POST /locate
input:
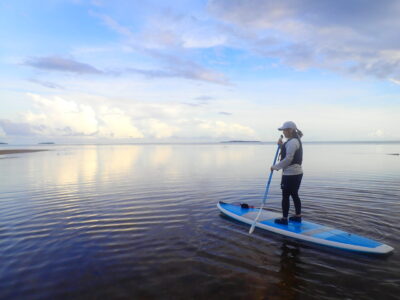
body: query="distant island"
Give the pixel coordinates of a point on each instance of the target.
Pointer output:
(238, 141)
(3, 143)
(46, 143)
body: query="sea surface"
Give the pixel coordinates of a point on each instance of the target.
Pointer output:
(141, 222)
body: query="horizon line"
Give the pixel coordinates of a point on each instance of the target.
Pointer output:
(237, 142)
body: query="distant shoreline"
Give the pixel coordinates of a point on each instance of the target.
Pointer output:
(238, 141)
(2, 152)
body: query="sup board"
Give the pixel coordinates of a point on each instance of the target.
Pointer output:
(306, 231)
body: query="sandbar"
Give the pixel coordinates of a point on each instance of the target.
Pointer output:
(14, 151)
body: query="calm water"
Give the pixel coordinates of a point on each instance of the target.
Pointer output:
(140, 222)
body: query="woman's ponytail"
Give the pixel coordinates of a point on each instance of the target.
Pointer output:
(298, 133)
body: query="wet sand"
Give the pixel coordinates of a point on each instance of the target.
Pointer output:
(14, 151)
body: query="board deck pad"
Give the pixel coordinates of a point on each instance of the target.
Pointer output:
(307, 231)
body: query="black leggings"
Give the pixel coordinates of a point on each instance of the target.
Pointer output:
(290, 185)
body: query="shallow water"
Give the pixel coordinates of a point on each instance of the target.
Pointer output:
(140, 222)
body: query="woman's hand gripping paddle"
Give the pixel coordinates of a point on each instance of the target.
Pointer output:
(266, 191)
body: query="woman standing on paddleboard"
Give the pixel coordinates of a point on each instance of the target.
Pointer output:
(291, 160)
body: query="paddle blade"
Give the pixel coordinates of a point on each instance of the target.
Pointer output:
(252, 228)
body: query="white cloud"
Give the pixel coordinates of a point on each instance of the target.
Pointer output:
(167, 39)
(377, 133)
(78, 117)
(396, 81)
(342, 36)
(202, 41)
(214, 129)
(59, 116)
(114, 123)
(220, 129)
(160, 130)
(114, 25)
(170, 29)
(62, 117)
(338, 35)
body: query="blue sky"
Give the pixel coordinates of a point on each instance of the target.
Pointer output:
(127, 71)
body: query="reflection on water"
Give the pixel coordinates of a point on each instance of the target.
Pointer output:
(140, 222)
(290, 272)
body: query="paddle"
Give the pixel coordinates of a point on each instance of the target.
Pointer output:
(266, 191)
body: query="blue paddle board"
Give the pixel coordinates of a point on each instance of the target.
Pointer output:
(306, 231)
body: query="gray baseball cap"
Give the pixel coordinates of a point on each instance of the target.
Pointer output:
(287, 125)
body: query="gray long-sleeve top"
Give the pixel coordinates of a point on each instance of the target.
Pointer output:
(296, 169)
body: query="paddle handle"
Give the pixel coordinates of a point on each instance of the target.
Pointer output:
(270, 175)
(266, 191)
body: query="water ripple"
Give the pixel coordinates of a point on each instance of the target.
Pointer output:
(140, 222)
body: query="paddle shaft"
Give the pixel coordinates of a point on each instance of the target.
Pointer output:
(266, 191)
